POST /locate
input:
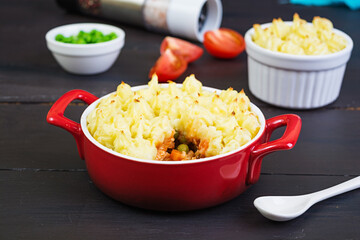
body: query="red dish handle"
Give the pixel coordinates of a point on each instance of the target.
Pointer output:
(56, 114)
(287, 141)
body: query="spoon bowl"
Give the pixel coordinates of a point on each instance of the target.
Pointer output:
(284, 208)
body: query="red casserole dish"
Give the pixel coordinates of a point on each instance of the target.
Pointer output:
(173, 185)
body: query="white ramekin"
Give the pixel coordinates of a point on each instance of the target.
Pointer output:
(294, 81)
(85, 58)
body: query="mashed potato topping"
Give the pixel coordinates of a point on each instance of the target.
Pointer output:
(173, 123)
(300, 38)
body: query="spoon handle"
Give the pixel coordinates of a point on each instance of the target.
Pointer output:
(336, 190)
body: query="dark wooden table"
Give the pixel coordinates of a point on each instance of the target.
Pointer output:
(45, 191)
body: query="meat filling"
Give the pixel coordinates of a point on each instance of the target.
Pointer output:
(178, 148)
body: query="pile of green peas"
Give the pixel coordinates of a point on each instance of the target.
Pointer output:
(82, 37)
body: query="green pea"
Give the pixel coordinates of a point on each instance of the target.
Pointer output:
(59, 37)
(95, 40)
(87, 38)
(80, 41)
(81, 33)
(99, 34)
(176, 134)
(106, 38)
(183, 148)
(69, 40)
(112, 36)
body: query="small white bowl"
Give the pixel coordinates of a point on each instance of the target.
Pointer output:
(85, 58)
(295, 81)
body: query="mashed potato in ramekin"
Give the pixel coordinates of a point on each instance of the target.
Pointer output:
(173, 123)
(299, 38)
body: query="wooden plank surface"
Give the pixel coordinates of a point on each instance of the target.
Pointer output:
(66, 205)
(31, 74)
(45, 191)
(324, 146)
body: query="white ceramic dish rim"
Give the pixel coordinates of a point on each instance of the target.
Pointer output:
(70, 49)
(93, 105)
(287, 56)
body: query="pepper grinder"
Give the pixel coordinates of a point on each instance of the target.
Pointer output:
(184, 18)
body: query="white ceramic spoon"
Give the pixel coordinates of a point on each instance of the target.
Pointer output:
(284, 208)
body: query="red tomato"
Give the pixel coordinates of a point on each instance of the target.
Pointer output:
(190, 52)
(224, 43)
(168, 67)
